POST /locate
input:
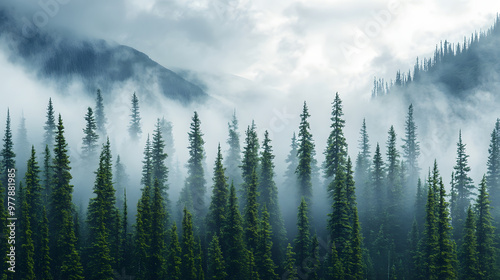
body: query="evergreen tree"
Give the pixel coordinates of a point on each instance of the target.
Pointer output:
(142, 232)
(464, 189)
(134, 128)
(293, 161)
(485, 232)
(173, 263)
(378, 177)
(469, 263)
(362, 172)
(47, 176)
(411, 147)
(89, 145)
(305, 154)
(216, 265)
(8, 156)
(100, 116)
(252, 215)
(188, 269)
(121, 182)
(335, 268)
(233, 246)
(233, 158)
(263, 255)
(126, 246)
(199, 261)
(420, 205)
(356, 266)
(445, 261)
(44, 257)
(493, 174)
(104, 227)
(250, 161)
(395, 196)
(147, 165)
(339, 220)
(429, 246)
(217, 210)
(290, 269)
(66, 260)
(336, 145)
(22, 147)
(50, 126)
(158, 160)
(302, 242)
(166, 128)
(195, 182)
(27, 262)
(269, 197)
(156, 261)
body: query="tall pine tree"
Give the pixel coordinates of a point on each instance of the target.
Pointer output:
(336, 145)
(50, 126)
(90, 138)
(305, 154)
(233, 158)
(485, 232)
(134, 128)
(217, 210)
(100, 116)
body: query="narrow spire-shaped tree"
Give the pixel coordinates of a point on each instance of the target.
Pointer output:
(168, 137)
(27, 263)
(362, 171)
(50, 126)
(233, 158)
(66, 264)
(411, 148)
(302, 241)
(147, 166)
(216, 265)
(305, 153)
(217, 211)
(158, 160)
(89, 145)
(468, 255)
(252, 215)
(173, 263)
(336, 145)
(429, 246)
(485, 232)
(263, 255)
(156, 260)
(446, 258)
(493, 174)
(290, 269)
(46, 176)
(134, 128)
(339, 220)
(8, 156)
(188, 269)
(250, 161)
(22, 147)
(378, 177)
(44, 257)
(100, 116)
(292, 162)
(142, 231)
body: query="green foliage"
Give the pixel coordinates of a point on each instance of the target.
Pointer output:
(156, 260)
(216, 264)
(292, 162)
(142, 231)
(250, 161)
(8, 161)
(252, 215)
(233, 158)
(302, 241)
(188, 268)
(89, 145)
(290, 269)
(378, 177)
(217, 211)
(339, 220)
(411, 147)
(336, 145)
(485, 232)
(263, 254)
(147, 165)
(50, 126)
(134, 128)
(468, 255)
(305, 153)
(173, 262)
(27, 262)
(158, 159)
(446, 258)
(100, 116)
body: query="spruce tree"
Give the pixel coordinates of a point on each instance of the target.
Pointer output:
(429, 246)
(302, 241)
(378, 177)
(305, 154)
(411, 148)
(263, 255)
(468, 255)
(134, 128)
(362, 172)
(464, 189)
(142, 232)
(188, 269)
(195, 181)
(217, 211)
(46, 176)
(199, 261)
(292, 162)
(147, 165)
(121, 182)
(269, 198)
(339, 219)
(99, 266)
(50, 126)
(356, 265)
(493, 174)
(89, 145)
(156, 260)
(100, 116)
(290, 269)
(22, 147)
(445, 261)
(66, 260)
(233, 244)
(336, 145)
(44, 257)
(216, 264)
(395, 193)
(233, 158)
(8, 156)
(485, 232)
(250, 161)
(158, 160)
(335, 265)
(27, 262)
(173, 262)
(251, 215)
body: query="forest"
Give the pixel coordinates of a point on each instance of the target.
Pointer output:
(385, 216)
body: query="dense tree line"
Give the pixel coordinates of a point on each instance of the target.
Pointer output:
(239, 232)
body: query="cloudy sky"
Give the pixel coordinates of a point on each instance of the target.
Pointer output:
(280, 44)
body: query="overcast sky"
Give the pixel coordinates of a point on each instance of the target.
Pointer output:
(280, 44)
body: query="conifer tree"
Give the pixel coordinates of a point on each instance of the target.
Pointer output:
(188, 268)
(469, 263)
(445, 261)
(464, 189)
(66, 260)
(411, 148)
(166, 128)
(233, 158)
(362, 172)
(142, 231)
(251, 215)
(8, 156)
(395, 195)
(356, 266)
(302, 242)
(158, 160)
(269, 198)
(126, 246)
(156, 260)
(50, 126)
(217, 210)
(89, 145)
(27, 262)
(44, 257)
(233, 245)
(430, 246)
(305, 154)
(493, 174)
(420, 205)
(199, 261)
(22, 147)
(121, 182)
(46, 176)
(263, 255)
(378, 177)
(339, 220)
(290, 269)
(485, 232)
(335, 268)
(100, 116)
(250, 161)
(100, 260)
(134, 128)
(336, 145)
(216, 265)
(195, 181)
(292, 162)
(147, 165)
(173, 262)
